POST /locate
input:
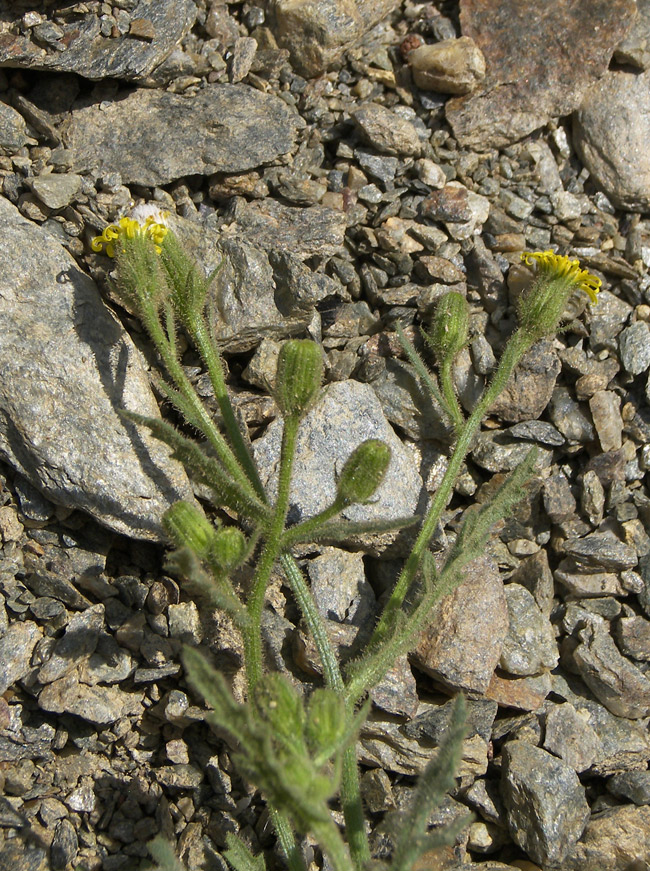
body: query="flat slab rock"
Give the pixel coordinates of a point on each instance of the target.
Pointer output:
(538, 66)
(77, 45)
(152, 137)
(68, 367)
(346, 414)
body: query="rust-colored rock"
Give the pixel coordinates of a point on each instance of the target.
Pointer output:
(538, 65)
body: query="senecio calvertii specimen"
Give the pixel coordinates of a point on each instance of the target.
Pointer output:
(300, 749)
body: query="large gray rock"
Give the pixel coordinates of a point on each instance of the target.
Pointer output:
(611, 130)
(538, 66)
(152, 137)
(67, 368)
(530, 646)
(75, 43)
(346, 414)
(546, 804)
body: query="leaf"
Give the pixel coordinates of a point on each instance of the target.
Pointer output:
(162, 853)
(340, 530)
(240, 857)
(217, 592)
(201, 467)
(434, 782)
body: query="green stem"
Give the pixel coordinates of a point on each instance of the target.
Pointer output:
(519, 343)
(220, 445)
(302, 531)
(269, 555)
(425, 376)
(207, 348)
(451, 400)
(350, 788)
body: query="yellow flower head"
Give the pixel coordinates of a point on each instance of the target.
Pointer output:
(559, 266)
(146, 221)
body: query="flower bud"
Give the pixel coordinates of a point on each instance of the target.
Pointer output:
(363, 472)
(299, 376)
(187, 526)
(228, 548)
(450, 326)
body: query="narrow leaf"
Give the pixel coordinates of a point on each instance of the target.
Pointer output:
(437, 778)
(202, 468)
(162, 853)
(240, 857)
(340, 530)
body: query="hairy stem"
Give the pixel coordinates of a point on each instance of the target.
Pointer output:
(350, 789)
(519, 343)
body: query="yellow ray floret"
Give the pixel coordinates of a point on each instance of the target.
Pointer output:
(561, 266)
(129, 228)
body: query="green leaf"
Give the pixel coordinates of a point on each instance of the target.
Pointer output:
(434, 782)
(217, 592)
(162, 853)
(341, 530)
(240, 857)
(279, 705)
(202, 468)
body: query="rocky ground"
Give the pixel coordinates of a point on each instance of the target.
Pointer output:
(349, 180)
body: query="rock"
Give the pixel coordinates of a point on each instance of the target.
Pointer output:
(618, 840)
(13, 130)
(568, 735)
(582, 582)
(386, 131)
(394, 747)
(535, 575)
(317, 32)
(497, 452)
(619, 685)
(79, 45)
(109, 664)
(339, 587)
(76, 645)
(64, 846)
(634, 345)
(610, 131)
(635, 48)
(601, 550)
(185, 623)
(405, 404)
(530, 79)
(546, 804)
(16, 647)
(346, 414)
(453, 66)
(98, 705)
(68, 368)
(632, 635)
(569, 418)
(559, 502)
(259, 294)
(463, 643)
(530, 386)
(633, 785)
(223, 128)
(522, 693)
(302, 232)
(57, 190)
(529, 646)
(605, 410)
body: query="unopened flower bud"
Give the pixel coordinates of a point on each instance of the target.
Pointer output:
(299, 376)
(363, 472)
(450, 326)
(187, 526)
(228, 548)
